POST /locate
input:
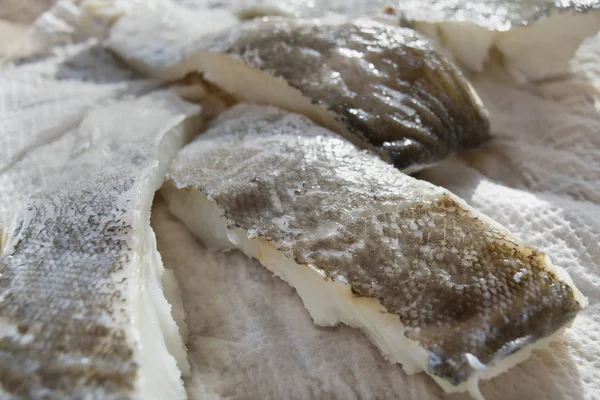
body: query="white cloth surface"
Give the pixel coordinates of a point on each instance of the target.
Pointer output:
(249, 335)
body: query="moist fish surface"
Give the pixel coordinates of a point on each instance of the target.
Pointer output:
(42, 104)
(536, 38)
(383, 87)
(83, 293)
(246, 9)
(434, 284)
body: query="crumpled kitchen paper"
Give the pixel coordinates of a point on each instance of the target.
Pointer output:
(249, 334)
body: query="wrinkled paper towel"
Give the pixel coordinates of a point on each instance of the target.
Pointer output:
(249, 335)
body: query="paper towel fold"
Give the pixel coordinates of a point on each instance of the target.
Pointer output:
(250, 336)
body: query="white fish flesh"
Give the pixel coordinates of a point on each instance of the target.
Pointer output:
(83, 312)
(382, 87)
(434, 284)
(536, 38)
(159, 31)
(42, 103)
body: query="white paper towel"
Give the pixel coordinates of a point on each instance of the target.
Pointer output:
(249, 335)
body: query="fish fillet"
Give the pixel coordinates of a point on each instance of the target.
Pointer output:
(246, 9)
(537, 38)
(384, 88)
(83, 312)
(42, 103)
(434, 284)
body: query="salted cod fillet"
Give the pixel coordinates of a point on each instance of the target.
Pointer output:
(382, 87)
(247, 9)
(83, 312)
(433, 283)
(43, 102)
(536, 38)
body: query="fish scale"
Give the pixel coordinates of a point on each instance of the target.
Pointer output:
(80, 257)
(383, 87)
(431, 313)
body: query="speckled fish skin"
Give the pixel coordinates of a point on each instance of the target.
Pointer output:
(500, 15)
(296, 8)
(459, 282)
(493, 14)
(42, 103)
(67, 271)
(386, 84)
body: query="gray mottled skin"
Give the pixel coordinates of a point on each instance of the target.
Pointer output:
(385, 84)
(295, 8)
(501, 15)
(66, 272)
(446, 273)
(42, 102)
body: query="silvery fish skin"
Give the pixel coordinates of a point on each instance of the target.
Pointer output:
(492, 14)
(499, 15)
(42, 104)
(380, 86)
(536, 38)
(434, 284)
(246, 9)
(82, 287)
(384, 84)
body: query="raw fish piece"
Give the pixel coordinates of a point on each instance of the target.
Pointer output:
(537, 38)
(434, 284)
(246, 9)
(382, 87)
(42, 103)
(83, 312)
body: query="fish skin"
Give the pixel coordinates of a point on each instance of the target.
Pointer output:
(246, 9)
(68, 275)
(459, 283)
(401, 97)
(535, 39)
(387, 85)
(41, 104)
(469, 29)
(500, 15)
(497, 15)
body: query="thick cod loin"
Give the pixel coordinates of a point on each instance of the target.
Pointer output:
(537, 38)
(433, 283)
(382, 87)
